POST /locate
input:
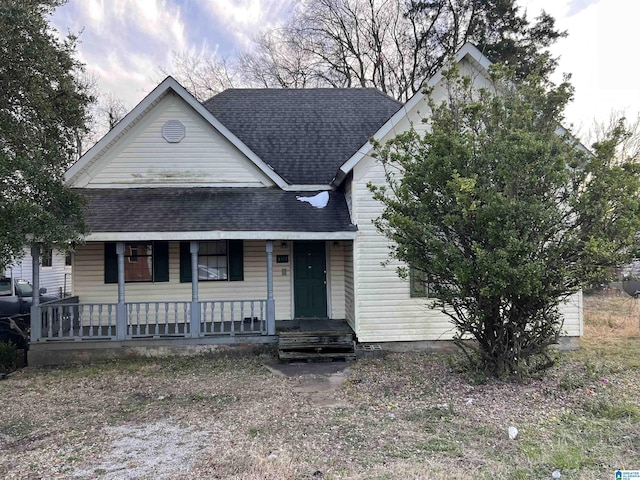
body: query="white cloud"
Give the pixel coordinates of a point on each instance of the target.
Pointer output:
(602, 33)
(245, 18)
(124, 41)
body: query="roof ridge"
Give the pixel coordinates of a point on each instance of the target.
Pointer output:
(312, 89)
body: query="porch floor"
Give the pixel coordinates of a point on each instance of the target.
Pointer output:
(313, 325)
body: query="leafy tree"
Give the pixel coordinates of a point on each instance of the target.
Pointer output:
(43, 110)
(504, 215)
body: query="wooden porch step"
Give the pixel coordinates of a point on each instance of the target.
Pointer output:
(315, 345)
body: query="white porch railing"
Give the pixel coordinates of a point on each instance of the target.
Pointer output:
(157, 319)
(76, 320)
(93, 321)
(234, 316)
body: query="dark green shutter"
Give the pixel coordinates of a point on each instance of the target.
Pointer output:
(236, 260)
(185, 262)
(160, 261)
(110, 263)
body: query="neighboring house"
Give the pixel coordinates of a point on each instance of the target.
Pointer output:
(253, 207)
(55, 271)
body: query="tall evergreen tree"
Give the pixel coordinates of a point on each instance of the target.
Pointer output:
(43, 112)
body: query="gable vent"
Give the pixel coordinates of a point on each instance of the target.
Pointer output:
(173, 131)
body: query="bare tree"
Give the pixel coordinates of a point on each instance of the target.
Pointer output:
(103, 113)
(202, 74)
(392, 45)
(280, 58)
(629, 146)
(109, 111)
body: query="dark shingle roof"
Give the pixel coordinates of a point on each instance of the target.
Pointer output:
(304, 134)
(211, 209)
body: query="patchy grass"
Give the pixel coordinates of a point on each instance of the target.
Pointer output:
(406, 416)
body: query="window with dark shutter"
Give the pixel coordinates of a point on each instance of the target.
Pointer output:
(236, 260)
(185, 262)
(110, 263)
(143, 262)
(160, 261)
(218, 260)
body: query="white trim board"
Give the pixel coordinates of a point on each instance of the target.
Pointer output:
(467, 49)
(216, 235)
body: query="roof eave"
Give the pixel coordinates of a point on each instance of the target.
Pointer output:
(468, 49)
(219, 235)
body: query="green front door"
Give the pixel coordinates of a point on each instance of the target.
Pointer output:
(309, 279)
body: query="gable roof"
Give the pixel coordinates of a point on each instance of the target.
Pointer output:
(468, 50)
(209, 212)
(305, 135)
(157, 94)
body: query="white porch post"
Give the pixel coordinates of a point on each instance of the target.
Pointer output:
(194, 247)
(121, 308)
(36, 317)
(271, 305)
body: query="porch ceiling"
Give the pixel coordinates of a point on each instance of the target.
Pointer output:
(192, 213)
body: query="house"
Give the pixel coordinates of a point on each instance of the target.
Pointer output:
(55, 270)
(210, 222)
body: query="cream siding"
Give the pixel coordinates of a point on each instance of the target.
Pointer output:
(142, 157)
(335, 259)
(348, 285)
(89, 281)
(384, 310)
(348, 196)
(571, 310)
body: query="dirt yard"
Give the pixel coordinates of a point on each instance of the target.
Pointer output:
(405, 416)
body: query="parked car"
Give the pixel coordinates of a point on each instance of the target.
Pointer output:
(16, 298)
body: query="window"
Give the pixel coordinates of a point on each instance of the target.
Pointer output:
(218, 260)
(143, 262)
(419, 284)
(5, 286)
(68, 259)
(138, 262)
(47, 257)
(212, 260)
(24, 288)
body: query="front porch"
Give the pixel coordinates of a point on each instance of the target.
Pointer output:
(216, 312)
(73, 320)
(69, 320)
(69, 342)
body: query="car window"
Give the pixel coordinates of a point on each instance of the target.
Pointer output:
(5, 286)
(24, 288)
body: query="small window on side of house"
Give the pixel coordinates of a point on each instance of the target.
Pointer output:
(47, 257)
(419, 284)
(68, 259)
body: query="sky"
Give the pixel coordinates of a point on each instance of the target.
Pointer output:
(127, 44)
